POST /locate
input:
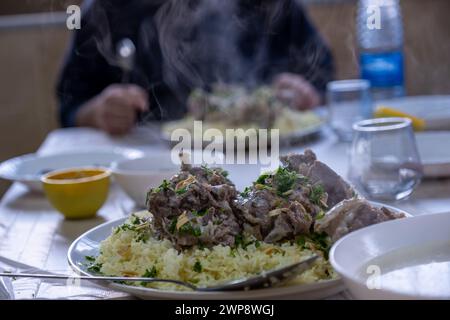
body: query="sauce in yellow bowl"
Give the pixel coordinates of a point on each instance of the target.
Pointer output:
(77, 193)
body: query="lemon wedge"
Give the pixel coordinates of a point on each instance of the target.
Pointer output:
(383, 112)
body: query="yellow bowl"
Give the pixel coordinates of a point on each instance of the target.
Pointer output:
(77, 193)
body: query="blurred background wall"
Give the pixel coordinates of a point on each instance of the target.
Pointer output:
(33, 39)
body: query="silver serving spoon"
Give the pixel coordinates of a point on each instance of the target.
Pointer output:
(264, 280)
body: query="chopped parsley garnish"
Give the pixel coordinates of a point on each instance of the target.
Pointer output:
(224, 173)
(165, 185)
(137, 225)
(187, 228)
(207, 170)
(262, 178)
(90, 258)
(125, 227)
(319, 241)
(152, 273)
(322, 242)
(211, 171)
(200, 213)
(284, 180)
(181, 191)
(320, 215)
(246, 192)
(239, 241)
(301, 241)
(173, 225)
(143, 237)
(96, 267)
(197, 232)
(197, 267)
(317, 192)
(136, 220)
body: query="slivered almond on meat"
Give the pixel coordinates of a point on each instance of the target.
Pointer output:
(184, 183)
(182, 220)
(301, 206)
(142, 225)
(323, 200)
(276, 212)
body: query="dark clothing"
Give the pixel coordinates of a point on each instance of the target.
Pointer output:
(176, 52)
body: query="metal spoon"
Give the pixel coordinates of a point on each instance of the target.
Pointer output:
(264, 280)
(126, 51)
(126, 60)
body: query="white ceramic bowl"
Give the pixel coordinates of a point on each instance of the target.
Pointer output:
(137, 176)
(353, 253)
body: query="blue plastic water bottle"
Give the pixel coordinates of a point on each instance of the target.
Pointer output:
(380, 38)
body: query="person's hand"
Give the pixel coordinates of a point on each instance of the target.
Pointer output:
(295, 91)
(115, 109)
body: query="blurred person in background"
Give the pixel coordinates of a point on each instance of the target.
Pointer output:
(182, 45)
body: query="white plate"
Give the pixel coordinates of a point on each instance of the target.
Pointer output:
(29, 168)
(351, 254)
(434, 154)
(286, 139)
(88, 245)
(433, 109)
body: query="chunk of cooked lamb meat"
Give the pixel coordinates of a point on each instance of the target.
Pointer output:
(193, 208)
(351, 215)
(307, 165)
(279, 206)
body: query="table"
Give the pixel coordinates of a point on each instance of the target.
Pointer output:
(32, 232)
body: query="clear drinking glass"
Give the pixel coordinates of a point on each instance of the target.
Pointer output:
(348, 101)
(384, 162)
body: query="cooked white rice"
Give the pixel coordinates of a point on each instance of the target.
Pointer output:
(122, 255)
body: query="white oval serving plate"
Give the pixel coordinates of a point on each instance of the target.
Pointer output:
(88, 245)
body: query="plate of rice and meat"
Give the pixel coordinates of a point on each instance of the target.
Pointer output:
(231, 107)
(199, 229)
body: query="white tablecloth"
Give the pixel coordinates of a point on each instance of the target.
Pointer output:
(32, 232)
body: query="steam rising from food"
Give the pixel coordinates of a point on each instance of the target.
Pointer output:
(185, 44)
